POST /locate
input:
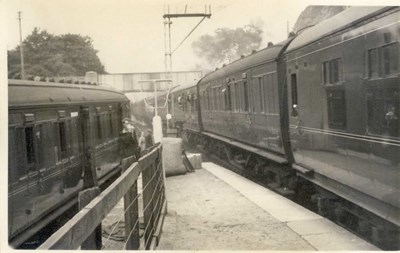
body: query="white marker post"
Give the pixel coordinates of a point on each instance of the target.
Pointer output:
(157, 129)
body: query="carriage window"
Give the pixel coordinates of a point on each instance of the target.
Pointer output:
(253, 86)
(336, 108)
(106, 126)
(332, 71)
(212, 97)
(237, 97)
(20, 153)
(383, 111)
(383, 61)
(325, 72)
(261, 94)
(99, 130)
(110, 125)
(246, 96)
(215, 99)
(390, 59)
(220, 99)
(227, 92)
(215, 95)
(216, 90)
(373, 66)
(335, 71)
(207, 99)
(74, 130)
(267, 95)
(41, 145)
(275, 94)
(30, 146)
(63, 139)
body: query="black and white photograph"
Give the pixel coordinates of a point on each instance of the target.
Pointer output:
(214, 125)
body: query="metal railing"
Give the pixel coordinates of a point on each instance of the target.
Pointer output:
(83, 229)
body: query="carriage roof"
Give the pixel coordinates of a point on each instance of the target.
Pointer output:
(341, 21)
(30, 93)
(267, 54)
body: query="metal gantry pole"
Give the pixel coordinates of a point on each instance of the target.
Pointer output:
(169, 49)
(21, 47)
(167, 22)
(167, 42)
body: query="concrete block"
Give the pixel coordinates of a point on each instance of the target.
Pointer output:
(195, 160)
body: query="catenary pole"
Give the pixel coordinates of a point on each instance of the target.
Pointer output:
(21, 47)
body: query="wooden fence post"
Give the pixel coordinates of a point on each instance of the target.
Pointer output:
(93, 241)
(132, 218)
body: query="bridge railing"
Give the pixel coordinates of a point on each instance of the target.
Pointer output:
(80, 231)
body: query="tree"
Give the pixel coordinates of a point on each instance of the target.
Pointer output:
(228, 44)
(46, 54)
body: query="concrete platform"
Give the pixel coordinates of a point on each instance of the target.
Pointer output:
(216, 209)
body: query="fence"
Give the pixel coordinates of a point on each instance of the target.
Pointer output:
(80, 231)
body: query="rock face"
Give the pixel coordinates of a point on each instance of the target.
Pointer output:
(314, 14)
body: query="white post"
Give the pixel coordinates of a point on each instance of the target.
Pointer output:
(155, 97)
(157, 121)
(157, 129)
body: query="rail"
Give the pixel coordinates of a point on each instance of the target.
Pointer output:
(80, 231)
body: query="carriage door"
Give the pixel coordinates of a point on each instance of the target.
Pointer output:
(89, 147)
(295, 122)
(31, 136)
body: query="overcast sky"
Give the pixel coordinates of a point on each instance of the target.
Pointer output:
(129, 34)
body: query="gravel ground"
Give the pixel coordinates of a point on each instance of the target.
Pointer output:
(204, 213)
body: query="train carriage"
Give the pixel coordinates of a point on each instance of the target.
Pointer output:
(344, 102)
(241, 102)
(54, 131)
(184, 109)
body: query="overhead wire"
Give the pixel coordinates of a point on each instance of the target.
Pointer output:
(187, 36)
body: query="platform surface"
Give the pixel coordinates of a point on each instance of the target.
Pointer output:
(216, 209)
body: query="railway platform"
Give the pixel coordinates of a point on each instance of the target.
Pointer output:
(216, 209)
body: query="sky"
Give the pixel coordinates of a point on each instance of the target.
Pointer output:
(129, 34)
